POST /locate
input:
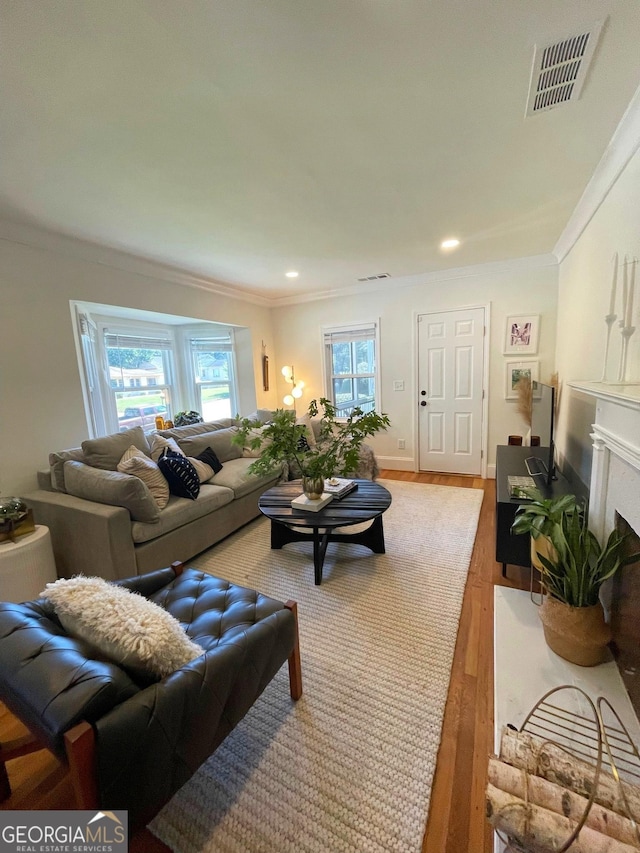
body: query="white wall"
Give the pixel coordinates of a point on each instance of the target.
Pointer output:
(41, 406)
(584, 290)
(40, 392)
(517, 291)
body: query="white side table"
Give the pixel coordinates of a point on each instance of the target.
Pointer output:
(26, 565)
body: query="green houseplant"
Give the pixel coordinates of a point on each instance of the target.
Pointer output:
(537, 518)
(283, 440)
(574, 566)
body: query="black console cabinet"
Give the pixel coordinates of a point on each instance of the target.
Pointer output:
(514, 550)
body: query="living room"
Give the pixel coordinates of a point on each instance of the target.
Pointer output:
(48, 262)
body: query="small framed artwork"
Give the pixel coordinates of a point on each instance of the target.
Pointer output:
(517, 370)
(521, 334)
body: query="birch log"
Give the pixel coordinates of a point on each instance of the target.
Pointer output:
(542, 831)
(545, 759)
(543, 793)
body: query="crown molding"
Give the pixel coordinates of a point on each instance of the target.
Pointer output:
(491, 268)
(623, 145)
(40, 238)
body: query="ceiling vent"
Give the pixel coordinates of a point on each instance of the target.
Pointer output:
(375, 277)
(560, 69)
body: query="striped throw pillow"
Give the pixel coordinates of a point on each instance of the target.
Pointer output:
(137, 464)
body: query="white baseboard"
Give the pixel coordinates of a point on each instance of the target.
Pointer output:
(401, 463)
(396, 463)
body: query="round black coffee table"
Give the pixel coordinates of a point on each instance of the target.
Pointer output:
(365, 503)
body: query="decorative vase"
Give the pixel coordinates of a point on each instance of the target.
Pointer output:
(577, 634)
(313, 487)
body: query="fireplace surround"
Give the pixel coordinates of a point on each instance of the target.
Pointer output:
(614, 502)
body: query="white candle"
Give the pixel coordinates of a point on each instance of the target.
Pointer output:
(612, 303)
(625, 292)
(632, 287)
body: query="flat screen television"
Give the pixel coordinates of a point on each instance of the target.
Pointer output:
(542, 422)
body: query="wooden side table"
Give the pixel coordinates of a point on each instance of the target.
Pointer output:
(26, 565)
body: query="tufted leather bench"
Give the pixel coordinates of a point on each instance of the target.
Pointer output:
(131, 745)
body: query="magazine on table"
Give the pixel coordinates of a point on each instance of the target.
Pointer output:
(339, 486)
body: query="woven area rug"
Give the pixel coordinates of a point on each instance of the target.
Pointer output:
(349, 767)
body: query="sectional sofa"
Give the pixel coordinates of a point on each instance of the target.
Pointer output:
(106, 523)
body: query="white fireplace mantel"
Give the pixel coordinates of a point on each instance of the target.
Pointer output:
(615, 471)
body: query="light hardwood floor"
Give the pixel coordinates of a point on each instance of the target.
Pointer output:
(456, 819)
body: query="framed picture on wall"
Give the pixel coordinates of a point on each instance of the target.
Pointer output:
(521, 334)
(517, 370)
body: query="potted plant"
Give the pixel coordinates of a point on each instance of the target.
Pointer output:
(538, 517)
(283, 440)
(573, 571)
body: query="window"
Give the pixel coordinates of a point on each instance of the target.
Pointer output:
(351, 367)
(136, 365)
(140, 370)
(214, 375)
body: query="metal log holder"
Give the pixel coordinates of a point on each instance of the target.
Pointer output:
(596, 735)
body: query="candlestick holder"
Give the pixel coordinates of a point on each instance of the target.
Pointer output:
(626, 332)
(609, 320)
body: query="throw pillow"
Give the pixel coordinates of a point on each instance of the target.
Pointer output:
(247, 451)
(135, 462)
(159, 443)
(180, 474)
(310, 435)
(206, 464)
(123, 626)
(303, 444)
(105, 452)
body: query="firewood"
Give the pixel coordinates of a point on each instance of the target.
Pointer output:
(557, 799)
(542, 758)
(541, 830)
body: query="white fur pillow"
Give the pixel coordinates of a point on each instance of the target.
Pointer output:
(123, 626)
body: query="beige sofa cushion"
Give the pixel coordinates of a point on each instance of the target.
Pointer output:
(106, 451)
(197, 429)
(234, 475)
(56, 464)
(219, 441)
(181, 511)
(113, 488)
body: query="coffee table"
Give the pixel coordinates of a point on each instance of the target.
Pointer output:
(367, 502)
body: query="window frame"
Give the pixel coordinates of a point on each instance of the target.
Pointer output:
(225, 342)
(135, 329)
(343, 331)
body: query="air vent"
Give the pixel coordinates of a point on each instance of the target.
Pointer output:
(375, 277)
(560, 69)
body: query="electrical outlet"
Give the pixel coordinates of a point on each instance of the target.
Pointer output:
(398, 384)
(401, 444)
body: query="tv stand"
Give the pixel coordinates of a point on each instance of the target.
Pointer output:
(515, 550)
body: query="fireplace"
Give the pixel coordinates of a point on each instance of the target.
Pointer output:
(614, 502)
(625, 616)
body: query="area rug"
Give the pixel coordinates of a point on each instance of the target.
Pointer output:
(349, 767)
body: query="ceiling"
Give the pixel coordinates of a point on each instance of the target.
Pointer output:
(240, 139)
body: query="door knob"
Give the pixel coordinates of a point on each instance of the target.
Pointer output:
(423, 402)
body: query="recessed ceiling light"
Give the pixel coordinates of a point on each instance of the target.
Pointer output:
(292, 274)
(451, 243)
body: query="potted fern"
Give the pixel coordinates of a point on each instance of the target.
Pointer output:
(283, 440)
(573, 568)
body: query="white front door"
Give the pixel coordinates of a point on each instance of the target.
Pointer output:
(450, 375)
